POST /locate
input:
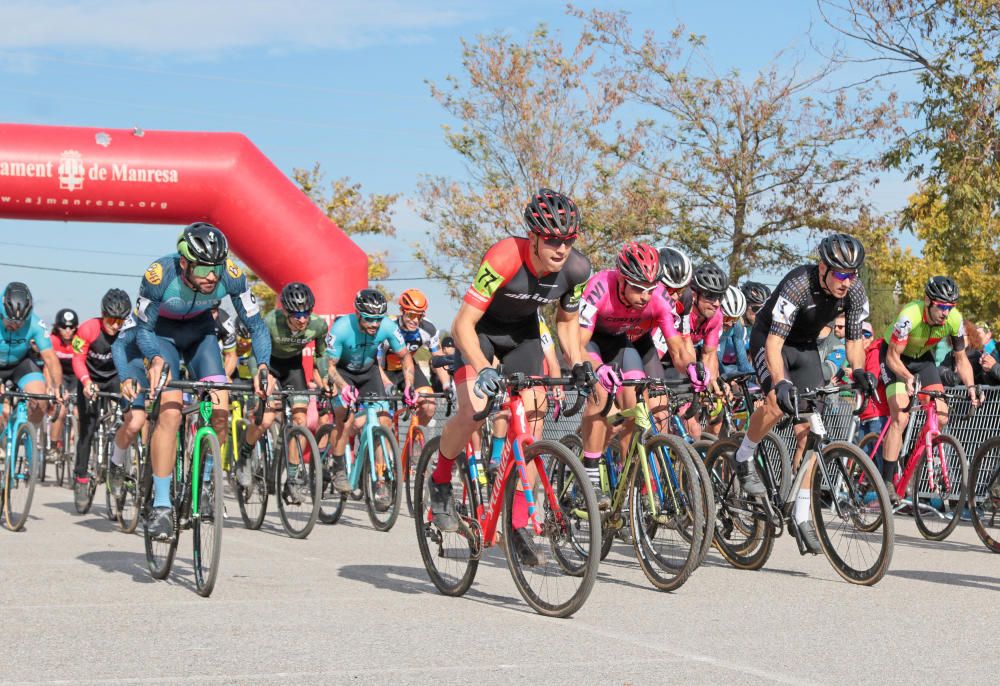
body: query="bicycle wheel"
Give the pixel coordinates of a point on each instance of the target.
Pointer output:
(110, 503)
(20, 475)
(858, 549)
(93, 466)
(130, 504)
(938, 507)
(565, 484)
(384, 443)
(159, 554)
(206, 523)
(666, 515)
(299, 494)
(253, 499)
(772, 453)
(557, 582)
(409, 463)
(69, 448)
(60, 467)
(450, 557)
(984, 493)
(707, 497)
(742, 533)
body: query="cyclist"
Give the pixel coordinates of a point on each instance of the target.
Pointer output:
(95, 368)
(225, 331)
(676, 268)
(63, 330)
(173, 321)
(756, 294)
(352, 350)
(417, 332)
(291, 329)
(675, 276)
(784, 350)
(732, 343)
(907, 353)
(619, 305)
(499, 318)
(22, 328)
(245, 364)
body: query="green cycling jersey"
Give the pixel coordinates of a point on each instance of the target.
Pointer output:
(919, 336)
(287, 344)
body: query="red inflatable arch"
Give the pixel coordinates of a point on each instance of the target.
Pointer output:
(174, 177)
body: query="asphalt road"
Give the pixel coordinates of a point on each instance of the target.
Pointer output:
(350, 605)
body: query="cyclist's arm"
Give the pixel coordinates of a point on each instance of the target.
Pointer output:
(463, 330)
(229, 359)
(772, 354)
(895, 347)
(81, 345)
(54, 370)
(319, 351)
(568, 328)
(855, 353)
(119, 350)
(248, 310)
(147, 309)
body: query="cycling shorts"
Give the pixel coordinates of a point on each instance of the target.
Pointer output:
(616, 351)
(367, 382)
(923, 367)
(22, 373)
(520, 351)
(802, 364)
(289, 373)
(420, 382)
(651, 362)
(195, 342)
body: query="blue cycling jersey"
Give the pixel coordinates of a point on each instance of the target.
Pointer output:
(164, 294)
(354, 350)
(733, 352)
(15, 345)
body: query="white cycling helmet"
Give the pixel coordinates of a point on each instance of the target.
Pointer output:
(676, 268)
(734, 303)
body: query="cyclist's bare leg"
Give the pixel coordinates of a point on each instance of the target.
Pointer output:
(163, 445)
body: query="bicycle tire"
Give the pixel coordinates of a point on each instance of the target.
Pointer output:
(131, 505)
(383, 521)
(332, 502)
(986, 518)
(563, 481)
(947, 505)
(298, 523)
(252, 500)
(778, 462)
(69, 447)
(459, 546)
(92, 469)
(742, 534)
(844, 505)
(707, 497)
(159, 554)
(569, 561)
(683, 506)
(110, 503)
(409, 464)
(207, 530)
(60, 467)
(20, 476)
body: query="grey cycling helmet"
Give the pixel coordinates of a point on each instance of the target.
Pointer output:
(203, 243)
(67, 318)
(370, 303)
(756, 293)
(116, 303)
(297, 297)
(842, 252)
(17, 301)
(709, 279)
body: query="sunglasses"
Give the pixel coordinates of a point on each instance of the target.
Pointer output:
(944, 307)
(642, 288)
(755, 308)
(65, 326)
(710, 297)
(203, 271)
(413, 316)
(843, 276)
(558, 242)
(300, 315)
(113, 321)
(371, 318)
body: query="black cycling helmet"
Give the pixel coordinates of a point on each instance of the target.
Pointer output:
(116, 303)
(447, 342)
(242, 331)
(67, 318)
(709, 279)
(551, 214)
(203, 243)
(675, 267)
(371, 303)
(297, 297)
(756, 293)
(842, 252)
(17, 301)
(941, 289)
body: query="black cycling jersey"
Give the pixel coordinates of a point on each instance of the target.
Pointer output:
(799, 308)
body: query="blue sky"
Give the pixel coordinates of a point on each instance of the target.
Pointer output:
(338, 82)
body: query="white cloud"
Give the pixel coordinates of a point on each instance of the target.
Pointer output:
(205, 27)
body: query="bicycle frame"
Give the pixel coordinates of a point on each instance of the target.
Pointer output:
(365, 445)
(205, 412)
(18, 416)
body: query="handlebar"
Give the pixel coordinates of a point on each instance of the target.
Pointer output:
(517, 382)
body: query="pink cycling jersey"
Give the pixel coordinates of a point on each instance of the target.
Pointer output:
(703, 332)
(602, 310)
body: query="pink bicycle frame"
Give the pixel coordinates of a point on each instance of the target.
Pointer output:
(930, 430)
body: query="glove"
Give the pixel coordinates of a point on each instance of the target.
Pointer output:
(610, 378)
(488, 383)
(583, 374)
(348, 395)
(410, 396)
(700, 377)
(784, 393)
(452, 395)
(864, 381)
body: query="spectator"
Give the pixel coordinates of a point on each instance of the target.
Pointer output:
(832, 350)
(876, 413)
(986, 334)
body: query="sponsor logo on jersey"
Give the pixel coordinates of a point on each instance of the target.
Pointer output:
(487, 281)
(78, 344)
(154, 274)
(783, 311)
(902, 328)
(233, 269)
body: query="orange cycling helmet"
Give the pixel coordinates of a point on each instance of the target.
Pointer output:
(412, 300)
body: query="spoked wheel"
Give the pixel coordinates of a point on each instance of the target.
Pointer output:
(207, 518)
(566, 486)
(159, 554)
(742, 533)
(130, 504)
(450, 557)
(332, 502)
(554, 569)
(20, 474)
(409, 464)
(68, 457)
(383, 500)
(60, 468)
(856, 538)
(984, 493)
(666, 515)
(299, 484)
(110, 502)
(253, 498)
(772, 453)
(92, 476)
(937, 508)
(707, 495)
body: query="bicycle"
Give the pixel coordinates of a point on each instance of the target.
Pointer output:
(377, 457)
(936, 505)
(22, 458)
(659, 486)
(298, 495)
(562, 522)
(196, 488)
(848, 504)
(416, 438)
(984, 493)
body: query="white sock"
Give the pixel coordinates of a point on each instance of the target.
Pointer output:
(118, 454)
(801, 510)
(594, 474)
(431, 422)
(746, 450)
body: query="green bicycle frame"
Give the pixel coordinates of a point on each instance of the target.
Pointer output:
(205, 410)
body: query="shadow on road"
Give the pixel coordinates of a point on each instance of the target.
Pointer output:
(120, 562)
(920, 542)
(95, 519)
(986, 583)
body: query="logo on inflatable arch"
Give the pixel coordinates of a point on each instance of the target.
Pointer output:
(71, 171)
